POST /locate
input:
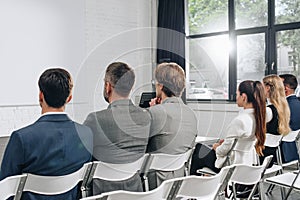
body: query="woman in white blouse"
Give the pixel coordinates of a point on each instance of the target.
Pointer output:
(248, 128)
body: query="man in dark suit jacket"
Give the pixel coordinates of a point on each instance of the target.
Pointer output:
(121, 131)
(54, 145)
(289, 150)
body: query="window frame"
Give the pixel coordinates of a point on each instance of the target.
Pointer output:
(269, 30)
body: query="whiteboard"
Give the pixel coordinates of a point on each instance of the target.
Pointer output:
(36, 35)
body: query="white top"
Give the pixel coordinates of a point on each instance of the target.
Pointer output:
(241, 127)
(54, 113)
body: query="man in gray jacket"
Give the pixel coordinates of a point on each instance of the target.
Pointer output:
(173, 124)
(121, 131)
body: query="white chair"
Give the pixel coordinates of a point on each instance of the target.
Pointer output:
(164, 162)
(274, 141)
(116, 172)
(158, 193)
(288, 180)
(201, 187)
(208, 171)
(113, 172)
(248, 175)
(12, 186)
(291, 137)
(184, 187)
(54, 185)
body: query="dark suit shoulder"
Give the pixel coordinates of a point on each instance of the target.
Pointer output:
(82, 127)
(26, 129)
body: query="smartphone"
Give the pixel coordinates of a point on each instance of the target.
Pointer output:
(146, 98)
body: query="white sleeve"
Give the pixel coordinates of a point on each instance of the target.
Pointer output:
(269, 114)
(236, 129)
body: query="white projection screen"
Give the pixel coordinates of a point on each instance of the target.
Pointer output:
(36, 35)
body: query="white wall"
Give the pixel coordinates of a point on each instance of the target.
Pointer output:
(113, 30)
(36, 35)
(213, 118)
(116, 30)
(84, 36)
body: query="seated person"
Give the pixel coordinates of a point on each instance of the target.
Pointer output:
(248, 128)
(289, 149)
(54, 145)
(121, 131)
(173, 124)
(278, 113)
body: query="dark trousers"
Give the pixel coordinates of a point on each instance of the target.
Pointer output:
(203, 156)
(267, 152)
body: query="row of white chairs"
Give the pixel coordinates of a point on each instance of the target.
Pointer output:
(276, 169)
(53, 185)
(288, 180)
(195, 187)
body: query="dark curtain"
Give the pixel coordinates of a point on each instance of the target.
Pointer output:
(171, 33)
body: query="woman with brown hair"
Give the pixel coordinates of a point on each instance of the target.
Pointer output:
(248, 128)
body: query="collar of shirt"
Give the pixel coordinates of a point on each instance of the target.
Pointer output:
(172, 100)
(54, 113)
(248, 110)
(290, 95)
(268, 102)
(125, 102)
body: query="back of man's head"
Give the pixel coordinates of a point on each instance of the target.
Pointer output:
(56, 85)
(121, 77)
(172, 77)
(289, 80)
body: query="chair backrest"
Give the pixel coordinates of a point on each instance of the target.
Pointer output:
(54, 185)
(164, 162)
(12, 186)
(273, 140)
(228, 156)
(291, 137)
(158, 193)
(248, 174)
(116, 172)
(167, 162)
(202, 187)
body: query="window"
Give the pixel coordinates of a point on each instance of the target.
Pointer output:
(208, 16)
(208, 67)
(234, 40)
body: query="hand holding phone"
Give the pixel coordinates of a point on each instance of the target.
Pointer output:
(155, 101)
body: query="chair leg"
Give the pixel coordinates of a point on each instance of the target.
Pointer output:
(233, 191)
(252, 192)
(146, 184)
(270, 188)
(288, 193)
(260, 190)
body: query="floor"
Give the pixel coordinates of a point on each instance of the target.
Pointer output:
(276, 194)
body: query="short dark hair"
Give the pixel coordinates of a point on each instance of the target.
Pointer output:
(172, 77)
(121, 77)
(290, 80)
(56, 85)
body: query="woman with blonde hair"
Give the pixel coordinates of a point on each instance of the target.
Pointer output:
(278, 112)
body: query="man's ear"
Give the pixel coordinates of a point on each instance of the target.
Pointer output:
(108, 87)
(160, 86)
(41, 97)
(69, 98)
